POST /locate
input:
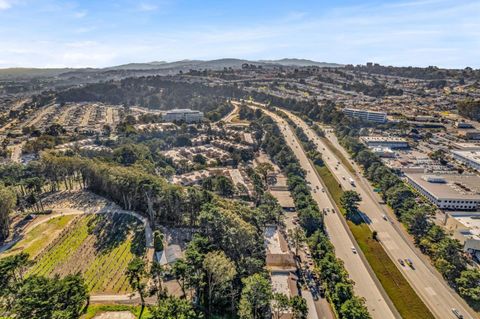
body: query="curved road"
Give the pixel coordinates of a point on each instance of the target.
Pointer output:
(426, 281)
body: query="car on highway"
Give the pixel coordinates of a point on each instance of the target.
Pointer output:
(385, 217)
(354, 250)
(457, 313)
(400, 261)
(409, 262)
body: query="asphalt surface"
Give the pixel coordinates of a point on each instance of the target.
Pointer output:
(365, 284)
(425, 280)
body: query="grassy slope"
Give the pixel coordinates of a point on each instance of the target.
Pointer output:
(103, 271)
(405, 299)
(36, 239)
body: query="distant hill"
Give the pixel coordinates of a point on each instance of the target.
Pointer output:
(12, 73)
(300, 63)
(27, 73)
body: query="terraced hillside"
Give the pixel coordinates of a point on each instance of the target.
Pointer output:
(99, 246)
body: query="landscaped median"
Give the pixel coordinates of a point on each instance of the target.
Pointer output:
(405, 299)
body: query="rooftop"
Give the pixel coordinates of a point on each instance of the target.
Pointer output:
(384, 139)
(470, 155)
(449, 186)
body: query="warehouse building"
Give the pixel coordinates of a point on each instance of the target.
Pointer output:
(448, 191)
(466, 228)
(469, 158)
(365, 115)
(185, 115)
(384, 142)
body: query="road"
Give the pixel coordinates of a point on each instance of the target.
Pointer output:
(425, 280)
(366, 285)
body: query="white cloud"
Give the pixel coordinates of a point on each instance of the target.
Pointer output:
(80, 14)
(144, 6)
(6, 4)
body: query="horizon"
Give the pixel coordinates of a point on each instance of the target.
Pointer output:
(74, 34)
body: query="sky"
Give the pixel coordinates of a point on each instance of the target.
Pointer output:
(101, 33)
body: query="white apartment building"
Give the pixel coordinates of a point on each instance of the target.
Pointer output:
(365, 115)
(469, 158)
(448, 191)
(186, 115)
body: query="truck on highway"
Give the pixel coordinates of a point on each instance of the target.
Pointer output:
(352, 182)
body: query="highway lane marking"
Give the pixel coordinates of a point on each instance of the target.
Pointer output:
(430, 291)
(390, 244)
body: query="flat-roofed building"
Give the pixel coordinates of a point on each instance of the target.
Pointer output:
(469, 134)
(366, 115)
(448, 191)
(469, 158)
(464, 146)
(384, 142)
(466, 228)
(186, 115)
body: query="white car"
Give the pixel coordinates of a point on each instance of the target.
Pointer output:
(354, 250)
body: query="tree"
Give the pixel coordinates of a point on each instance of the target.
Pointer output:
(280, 305)
(220, 272)
(55, 130)
(136, 274)
(299, 307)
(224, 186)
(200, 159)
(12, 269)
(156, 273)
(174, 308)
(8, 200)
(469, 285)
(45, 298)
(349, 202)
(255, 297)
(297, 236)
(354, 308)
(180, 271)
(263, 169)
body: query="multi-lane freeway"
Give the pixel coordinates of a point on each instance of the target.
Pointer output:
(366, 285)
(426, 281)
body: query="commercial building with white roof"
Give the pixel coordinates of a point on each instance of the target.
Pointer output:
(469, 158)
(448, 191)
(466, 228)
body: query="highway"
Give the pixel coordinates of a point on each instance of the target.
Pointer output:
(366, 284)
(425, 280)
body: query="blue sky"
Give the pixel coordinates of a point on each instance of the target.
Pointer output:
(87, 33)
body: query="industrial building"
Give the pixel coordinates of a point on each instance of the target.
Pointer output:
(465, 228)
(185, 115)
(469, 158)
(448, 191)
(384, 142)
(469, 134)
(365, 115)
